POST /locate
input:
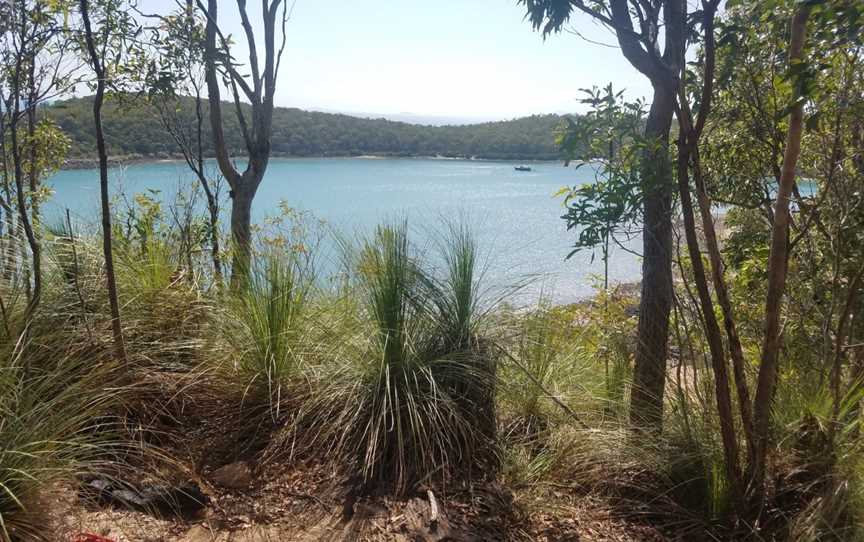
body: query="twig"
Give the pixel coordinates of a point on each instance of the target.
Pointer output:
(5, 318)
(539, 384)
(433, 509)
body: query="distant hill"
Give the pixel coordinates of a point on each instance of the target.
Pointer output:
(133, 130)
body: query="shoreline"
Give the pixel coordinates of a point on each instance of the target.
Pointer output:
(117, 161)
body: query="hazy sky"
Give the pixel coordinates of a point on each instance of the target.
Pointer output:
(454, 58)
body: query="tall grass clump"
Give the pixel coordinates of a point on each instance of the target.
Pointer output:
(544, 361)
(268, 321)
(458, 294)
(411, 401)
(820, 483)
(52, 428)
(161, 293)
(462, 309)
(163, 306)
(580, 354)
(563, 396)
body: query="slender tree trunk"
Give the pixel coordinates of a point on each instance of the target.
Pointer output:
(713, 334)
(23, 215)
(840, 349)
(234, 179)
(649, 372)
(213, 212)
(11, 241)
(257, 133)
(693, 132)
(36, 292)
(10, 262)
(211, 195)
(5, 203)
(777, 271)
(736, 351)
(856, 374)
(33, 181)
(107, 248)
(9, 217)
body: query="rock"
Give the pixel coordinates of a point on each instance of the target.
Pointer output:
(185, 500)
(233, 476)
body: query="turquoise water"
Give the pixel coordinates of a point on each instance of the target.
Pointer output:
(513, 214)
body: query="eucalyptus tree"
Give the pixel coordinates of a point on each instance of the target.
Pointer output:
(652, 36)
(768, 74)
(783, 66)
(258, 89)
(109, 45)
(177, 75)
(35, 49)
(609, 138)
(691, 127)
(835, 26)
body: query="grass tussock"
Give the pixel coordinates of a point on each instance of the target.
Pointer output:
(53, 427)
(266, 325)
(412, 397)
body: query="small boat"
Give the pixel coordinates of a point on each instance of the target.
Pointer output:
(522, 168)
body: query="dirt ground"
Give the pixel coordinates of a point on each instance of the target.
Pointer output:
(303, 504)
(198, 435)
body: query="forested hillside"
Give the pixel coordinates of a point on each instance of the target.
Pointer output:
(133, 128)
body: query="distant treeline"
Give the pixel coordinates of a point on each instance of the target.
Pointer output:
(133, 128)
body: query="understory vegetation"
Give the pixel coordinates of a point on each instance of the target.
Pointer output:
(406, 372)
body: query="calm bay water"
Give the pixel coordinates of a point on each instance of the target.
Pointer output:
(513, 214)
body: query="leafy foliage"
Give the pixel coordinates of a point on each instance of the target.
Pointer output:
(607, 136)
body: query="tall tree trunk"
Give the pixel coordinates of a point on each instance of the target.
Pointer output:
(5, 202)
(241, 232)
(736, 352)
(107, 247)
(843, 326)
(213, 212)
(7, 249)
(23, 215)
(777, 270)
(649, 372)
(211, 195)
(639, 35)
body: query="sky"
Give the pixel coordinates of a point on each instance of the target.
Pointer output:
(438, 59)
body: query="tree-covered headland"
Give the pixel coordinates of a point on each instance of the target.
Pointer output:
(134, 129)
